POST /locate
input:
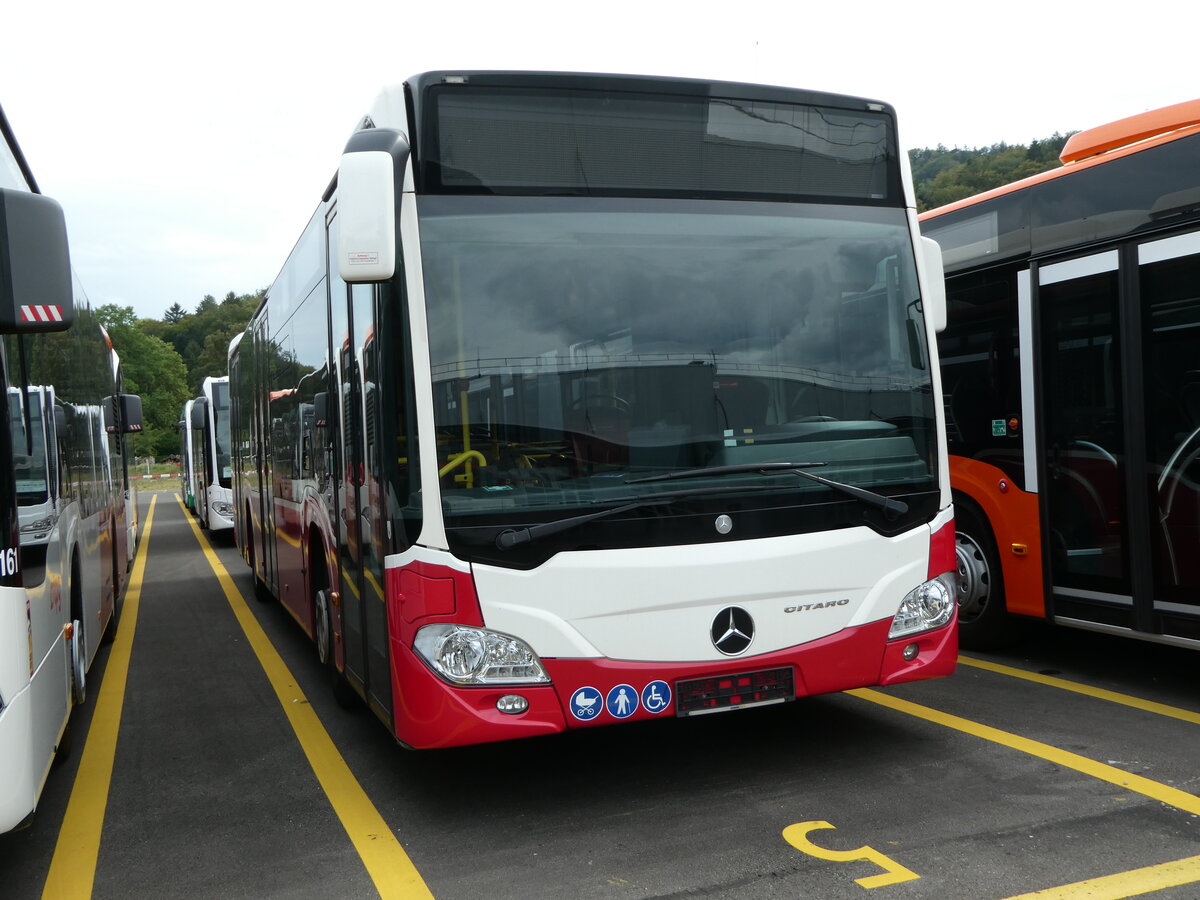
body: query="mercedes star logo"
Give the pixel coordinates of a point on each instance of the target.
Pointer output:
(732, 630)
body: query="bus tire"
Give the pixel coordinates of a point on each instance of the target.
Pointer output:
(78, 654)
(261, 592)
(110, 627)
(66, 743)
(343, 694)
(983, 621)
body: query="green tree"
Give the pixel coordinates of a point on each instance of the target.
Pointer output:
(174, 314)
(202, 338)
(112, 316)
(942, 176)
(155, 372)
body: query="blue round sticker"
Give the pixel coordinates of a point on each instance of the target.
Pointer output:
(586, 704)
(656, 696)
(622, 701)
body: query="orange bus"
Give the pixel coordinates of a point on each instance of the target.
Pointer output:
(1071, 378)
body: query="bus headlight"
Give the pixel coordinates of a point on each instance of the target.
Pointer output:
(223, 509)
(465, 655)
(39, 525)
(929, 606)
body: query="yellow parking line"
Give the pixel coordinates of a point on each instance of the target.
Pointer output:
(1127, 780)
(385, 860)
(73, 866)
(1133, 883)
(1161, 709)
(1110, 887)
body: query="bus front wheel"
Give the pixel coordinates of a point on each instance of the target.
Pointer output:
(343, 694)
(983, 620)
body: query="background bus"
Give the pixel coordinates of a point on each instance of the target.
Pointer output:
(63, 486)
(210, 466)
(187, 471)
(599, 398)
(1071, 370)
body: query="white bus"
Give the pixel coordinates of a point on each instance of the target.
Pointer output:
(64, 543)
(187, 471)
(586, 399)
(210, 468)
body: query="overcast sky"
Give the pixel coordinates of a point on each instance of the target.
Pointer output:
(189, 144)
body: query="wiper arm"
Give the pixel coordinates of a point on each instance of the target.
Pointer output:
(765, 468)
(514, 537)
(891, 507)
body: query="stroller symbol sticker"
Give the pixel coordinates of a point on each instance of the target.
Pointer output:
(656, 696)
(586, 704)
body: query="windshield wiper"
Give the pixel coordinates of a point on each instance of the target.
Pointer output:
(514, 537)
(891, 507)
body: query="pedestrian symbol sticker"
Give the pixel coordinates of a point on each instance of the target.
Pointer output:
(586, 704)
(622, 701)
(656, 696)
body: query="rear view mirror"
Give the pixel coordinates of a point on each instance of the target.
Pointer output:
(131, 413)
(199, 413)
(934, 294)
(123, 414)
(366, 204)
(35, 265)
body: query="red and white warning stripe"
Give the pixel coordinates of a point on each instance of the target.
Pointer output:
(42, 313)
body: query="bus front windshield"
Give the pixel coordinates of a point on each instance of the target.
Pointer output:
(220, 396)
(579, 345)
(29, 455)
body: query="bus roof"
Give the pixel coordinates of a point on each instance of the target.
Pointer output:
(388, 110)
(1099, 145)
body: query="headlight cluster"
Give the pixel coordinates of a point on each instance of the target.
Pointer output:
(223, 509)
(927, 607)
(39, 525)
(465, 655)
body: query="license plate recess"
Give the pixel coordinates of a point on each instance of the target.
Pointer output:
(721, 693)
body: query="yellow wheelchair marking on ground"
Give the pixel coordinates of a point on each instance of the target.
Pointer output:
(385, 860)
(1161, 709)
(73, 867)
(893, 872)
(1133, 883)
(1125, 884)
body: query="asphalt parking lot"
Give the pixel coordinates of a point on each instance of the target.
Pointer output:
(1066, 767)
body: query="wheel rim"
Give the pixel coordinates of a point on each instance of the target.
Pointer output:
(78, 669)
(322, 627)
(974, 577)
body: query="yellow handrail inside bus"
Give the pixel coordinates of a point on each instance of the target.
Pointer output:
(459, 459)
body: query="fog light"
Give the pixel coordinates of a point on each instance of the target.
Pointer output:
(512, 704)
(910, 652)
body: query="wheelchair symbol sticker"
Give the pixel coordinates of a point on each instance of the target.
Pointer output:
(586, 704)
(622, 701)
(656, 696)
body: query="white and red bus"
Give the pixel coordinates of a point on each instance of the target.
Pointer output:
(585, 399)
(1071, 370)
(65, 539)
(187, 471)
(209, 466)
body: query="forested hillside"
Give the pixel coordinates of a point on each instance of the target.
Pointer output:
(942, 176)
(166, 359)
